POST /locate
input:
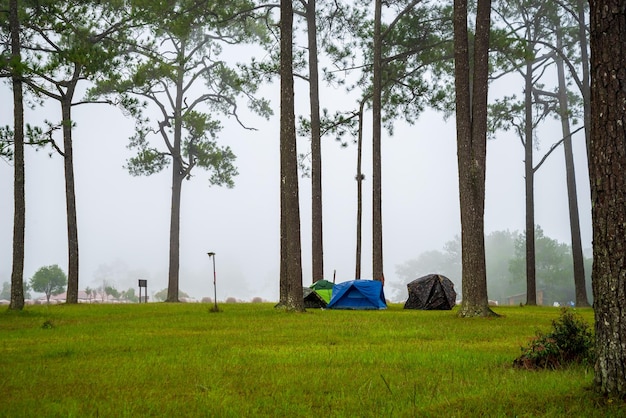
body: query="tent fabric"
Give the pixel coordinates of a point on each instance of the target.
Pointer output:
(431, 292)
(358, 294)
(324, 288)
(312, 299)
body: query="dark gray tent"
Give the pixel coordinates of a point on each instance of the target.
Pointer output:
(431, 292)
(312, 299)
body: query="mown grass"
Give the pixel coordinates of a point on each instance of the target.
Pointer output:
(252, 360)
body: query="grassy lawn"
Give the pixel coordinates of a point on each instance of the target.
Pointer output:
(252, 360)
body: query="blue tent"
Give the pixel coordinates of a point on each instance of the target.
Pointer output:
(358, 294)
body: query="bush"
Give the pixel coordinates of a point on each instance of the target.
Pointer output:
(570, 341)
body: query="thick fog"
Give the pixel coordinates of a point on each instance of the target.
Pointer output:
(123, 221)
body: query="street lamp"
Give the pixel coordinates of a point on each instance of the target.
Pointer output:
(212, 255)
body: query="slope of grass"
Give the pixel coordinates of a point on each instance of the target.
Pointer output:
(251, 360)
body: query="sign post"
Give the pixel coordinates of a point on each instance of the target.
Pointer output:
(144, 284)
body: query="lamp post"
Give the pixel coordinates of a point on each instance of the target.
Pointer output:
(212, 255)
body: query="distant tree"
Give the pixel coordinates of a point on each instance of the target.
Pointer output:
(554, 267)
(130, 295)
(71, 42)
(50, 280)
(526, 22)
(499, 251)
(88, 291)
(607, 159)
(6, 291)
(179, 50)
(471, 128)
(161, 295)
(112, 291)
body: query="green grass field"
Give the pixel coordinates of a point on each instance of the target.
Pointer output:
(252, 360)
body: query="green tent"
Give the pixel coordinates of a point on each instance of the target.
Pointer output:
(324, 288)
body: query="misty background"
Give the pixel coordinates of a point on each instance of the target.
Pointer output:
(123, 221)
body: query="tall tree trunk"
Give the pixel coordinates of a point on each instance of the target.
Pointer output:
(607, 164)
(377, 221)
(177, 183)
(317, 243)
(572, 195)
(174, 262)
(531, 278)
(19, 201)
(359, 194)
(471, 120)
(70, 196)
(290, 248)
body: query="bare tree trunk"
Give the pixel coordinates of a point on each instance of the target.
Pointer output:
(531, 279)
(377, 222)
(359, 194)
(70, 197)
(607, 162)
(174, 254)
(572, 195)
(290, 249)
(19, 201)
(317, 243)
(471, 120)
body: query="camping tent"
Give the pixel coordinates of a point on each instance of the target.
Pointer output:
(312, 299)
(358, 294)
(433, 291)
(324, 288)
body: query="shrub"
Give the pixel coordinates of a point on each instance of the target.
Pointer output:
(570, 341)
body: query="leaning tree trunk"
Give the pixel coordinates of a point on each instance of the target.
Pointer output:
(607, 164)
(471, 120)
(377, 221)
(572, 195)
(70, 197)
(317, 243)
(19, 201)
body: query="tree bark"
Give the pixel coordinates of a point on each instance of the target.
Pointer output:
(174, 254)
(177, 183)
(290, 249)
(19, 201)
(607, 164)
(377, 222)
(317, 243)
(529, 181)
(70, 197)
(471, 120)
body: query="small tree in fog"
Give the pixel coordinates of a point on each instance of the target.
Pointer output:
(50, 280)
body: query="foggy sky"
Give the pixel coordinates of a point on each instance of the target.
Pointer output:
(123, 221)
